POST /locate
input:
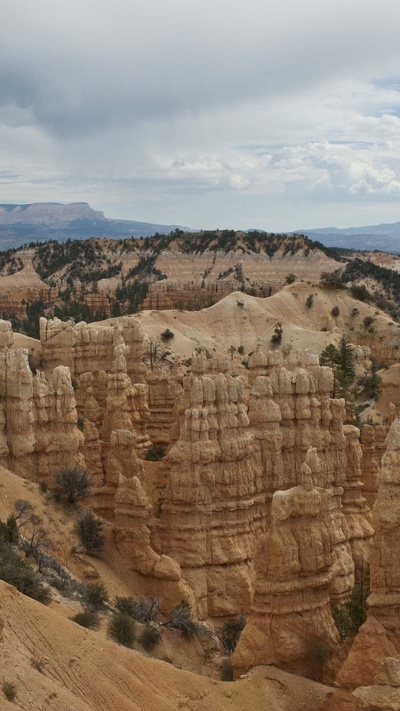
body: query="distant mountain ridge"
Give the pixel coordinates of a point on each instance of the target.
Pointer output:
(384, 237)
(38, 222)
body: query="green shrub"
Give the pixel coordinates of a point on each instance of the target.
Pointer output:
(150, 637)
(155, 453)
(229, 634)
(335, 311)
(342, 620)
(87, 619)
(182, 620)
(121, 628)
(360, 292)
(309, 301)
(319, 653)
(331, 280)
(276, 337)
(90, 531)
(9, 690)
(17, 572)
(167, 334)
(9, 530)
(144, 609)
(290, 278)
(96, 596)
(73, 483)
(368, 320)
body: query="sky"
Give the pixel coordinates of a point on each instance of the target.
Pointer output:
(277, 115)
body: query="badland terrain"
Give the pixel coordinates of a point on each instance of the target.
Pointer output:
(200, 471)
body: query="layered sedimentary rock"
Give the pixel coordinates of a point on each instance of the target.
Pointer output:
(164, 389)
(294, 566)
(213, 501)
(227, 462)
(38, 418)
(132, 513)
(384, 601)
(355, 509)
(372, 453)
(91, 348)
(58, 440)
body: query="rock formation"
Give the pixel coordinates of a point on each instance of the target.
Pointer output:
(384, 695)
(38, 418)
(384, 601)
(294, 567)
(91, 348)
(213, 500)
(356, 512)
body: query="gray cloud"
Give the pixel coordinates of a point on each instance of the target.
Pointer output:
(248, 113)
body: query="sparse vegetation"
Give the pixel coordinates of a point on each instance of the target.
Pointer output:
(17, 572)
(87, 619)
(181, 619)
(167, 334)
(150, 637)
(226, 671)
(155, 453)
(290, 278)
(90, 530)
(229, 634)
(352, 614)
(73, 483)
(9, 690)
(309, 301)
(144, 609)
(96, 596)
(319, 653)
(276, 338)
(122, 629)
(335, 311)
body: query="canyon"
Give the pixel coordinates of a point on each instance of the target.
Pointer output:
(229, 473)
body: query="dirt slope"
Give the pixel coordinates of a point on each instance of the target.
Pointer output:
(86, 673)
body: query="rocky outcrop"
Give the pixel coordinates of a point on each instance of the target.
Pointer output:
(369, 649)
(294, 566)
(239, 457)
(373, 448)
(356, 512)
(384, 601)
(213, 500)
(91, 348)
(384, 695)
(164, 389)
(38, 418)
(132, 513)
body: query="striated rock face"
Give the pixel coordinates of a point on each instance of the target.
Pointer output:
(294, 567)
(227, 461)
(92, 348)
(356, 512)
(38, 432)
(384, 695)
(213, 500)
(384, 601)
(132, 511)
(373, 448)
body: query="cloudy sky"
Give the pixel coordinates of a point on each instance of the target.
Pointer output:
(276, 114)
